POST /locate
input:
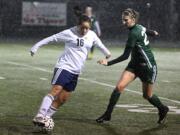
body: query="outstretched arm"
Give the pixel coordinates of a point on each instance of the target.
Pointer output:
(151, 32)
(102, 47)
(121, 58)
(41, 43)
(59, 37)
(129, 46)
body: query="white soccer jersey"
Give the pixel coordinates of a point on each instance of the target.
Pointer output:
(76, 48)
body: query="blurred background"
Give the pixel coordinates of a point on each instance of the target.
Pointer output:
(17, 17)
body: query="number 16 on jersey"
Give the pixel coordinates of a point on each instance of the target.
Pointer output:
(80, 42)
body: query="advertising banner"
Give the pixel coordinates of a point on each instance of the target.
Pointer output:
(44, 14)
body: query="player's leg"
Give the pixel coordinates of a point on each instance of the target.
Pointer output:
(49, 98)
(155, 101)
(45, 105)
(90, 54)
(63, 96)
(125, 79)
(148, 77)
(59, 101)
(92, 49)
(147, 94)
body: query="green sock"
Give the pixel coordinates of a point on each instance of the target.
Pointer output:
(112, 102)
(154, 100)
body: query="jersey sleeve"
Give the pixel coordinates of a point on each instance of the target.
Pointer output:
(132, 38)
(59, 37)
(123, 57)
(150, 32)
(97, 42)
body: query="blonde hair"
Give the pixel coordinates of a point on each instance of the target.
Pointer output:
(132, 13)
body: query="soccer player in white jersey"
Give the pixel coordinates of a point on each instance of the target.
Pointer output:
(78, 41)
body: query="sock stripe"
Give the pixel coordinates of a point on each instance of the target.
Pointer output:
(52, 108)
(51, 97)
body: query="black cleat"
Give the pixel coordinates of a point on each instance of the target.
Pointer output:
(103, 118)
(162, 114)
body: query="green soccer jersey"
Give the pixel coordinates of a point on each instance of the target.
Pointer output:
(93, 20)
(95, 25)
(141, 51)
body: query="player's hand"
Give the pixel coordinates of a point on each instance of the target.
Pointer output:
(33, 50)
(103, 62)
(156, 33)
(32, 53)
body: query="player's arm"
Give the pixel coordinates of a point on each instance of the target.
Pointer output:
(151, 32)
(121, 58)
(59, 37)
(127, 51)
(40, 44)
(97, 42)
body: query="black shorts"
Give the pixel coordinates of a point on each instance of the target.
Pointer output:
(141, 70)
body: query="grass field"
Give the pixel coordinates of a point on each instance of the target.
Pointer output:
(25, 80)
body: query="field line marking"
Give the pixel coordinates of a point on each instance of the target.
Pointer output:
(25, 65)
(2, 78)
(91, 81)
(42, 78)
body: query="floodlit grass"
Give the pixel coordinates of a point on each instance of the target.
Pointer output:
(22, 90)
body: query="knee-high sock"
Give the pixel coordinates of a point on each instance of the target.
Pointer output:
(112, 101)
(154, 100)
(45, 105)
(51, 111)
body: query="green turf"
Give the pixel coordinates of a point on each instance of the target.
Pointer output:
(22, 90)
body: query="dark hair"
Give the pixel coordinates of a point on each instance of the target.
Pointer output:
(77, 10)
(84, 18)
(132, 13)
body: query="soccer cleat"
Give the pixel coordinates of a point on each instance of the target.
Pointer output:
(105, 117)
(39, 121)
(162, 114)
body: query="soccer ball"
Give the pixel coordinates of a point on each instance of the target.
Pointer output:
(48, 125)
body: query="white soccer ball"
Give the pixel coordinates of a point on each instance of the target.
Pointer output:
(49, 124)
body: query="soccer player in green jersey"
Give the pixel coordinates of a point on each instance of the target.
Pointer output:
(141, 65)
(94, 26)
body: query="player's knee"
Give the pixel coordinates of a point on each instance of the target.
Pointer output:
(55, 90)
(120, 87)
(59, 102)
